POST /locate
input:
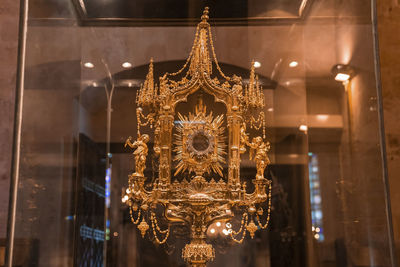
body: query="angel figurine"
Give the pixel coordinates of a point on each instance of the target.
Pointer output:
(260, 149)
(140, 153)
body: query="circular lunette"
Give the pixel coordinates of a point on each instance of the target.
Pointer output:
(200, 142)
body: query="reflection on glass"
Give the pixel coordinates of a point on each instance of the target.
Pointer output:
(315, 198)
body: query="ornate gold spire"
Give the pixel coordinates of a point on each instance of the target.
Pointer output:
(204, 17)
(147, 92)
(199, 69)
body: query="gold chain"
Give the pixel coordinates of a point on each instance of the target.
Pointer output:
(149, 119)
(138, 122)
(245, 218)
(153, 217)
(190, 55)
(259, 122)
(269, 210)
(264, 136)
(155, 226)
(239, 241)
(214, 55)
(131, 214)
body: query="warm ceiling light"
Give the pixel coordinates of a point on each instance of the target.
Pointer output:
(342, 73)
(303, 128)
(270, 109)
(212, 230)
(342, 77)
(126, 65)
(322, 117)
(257, 64)
(88, 65)
(218, 224)
(293, 64)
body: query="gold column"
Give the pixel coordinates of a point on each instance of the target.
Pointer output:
(166, 125)
(234, 123)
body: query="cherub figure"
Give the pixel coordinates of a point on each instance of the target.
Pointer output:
(261, 157)
(140, 153)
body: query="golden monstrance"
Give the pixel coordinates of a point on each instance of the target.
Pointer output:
(199, 153)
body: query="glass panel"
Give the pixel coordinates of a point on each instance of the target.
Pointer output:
(85, 63)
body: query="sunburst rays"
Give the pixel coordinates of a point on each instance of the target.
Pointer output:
(209, 159)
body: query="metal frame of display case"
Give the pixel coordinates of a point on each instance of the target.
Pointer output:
(87, 22)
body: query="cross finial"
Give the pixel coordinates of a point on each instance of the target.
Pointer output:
(205, 16)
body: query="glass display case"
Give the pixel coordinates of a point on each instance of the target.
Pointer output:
(83, 66)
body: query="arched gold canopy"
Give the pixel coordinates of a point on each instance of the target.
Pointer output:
(197, 73)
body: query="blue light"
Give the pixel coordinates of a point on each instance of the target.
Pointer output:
(107, 186)
(315, 198)
(318, 215)
(69, 217)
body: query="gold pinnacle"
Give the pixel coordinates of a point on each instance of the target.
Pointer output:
(205, 16)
